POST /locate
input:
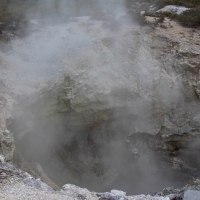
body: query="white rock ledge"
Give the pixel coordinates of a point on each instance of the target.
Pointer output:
(173, 9)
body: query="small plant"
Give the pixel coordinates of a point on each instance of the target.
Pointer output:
(188, 3)
(190, 18)
(4, 12)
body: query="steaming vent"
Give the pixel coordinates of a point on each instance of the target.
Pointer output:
(95, 106)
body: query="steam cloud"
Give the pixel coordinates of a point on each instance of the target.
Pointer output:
(103, 51)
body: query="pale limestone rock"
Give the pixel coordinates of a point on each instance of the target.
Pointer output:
(118, 192)
(173, 9)
(2, 159)
(191, 195)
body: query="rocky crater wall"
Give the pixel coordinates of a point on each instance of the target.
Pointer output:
(123, 106)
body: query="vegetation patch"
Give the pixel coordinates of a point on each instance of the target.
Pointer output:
(188, 3)
(189, 18)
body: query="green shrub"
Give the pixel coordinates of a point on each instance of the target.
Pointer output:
(4, 12)
(188, 3)
(190, 18)
(161, 15)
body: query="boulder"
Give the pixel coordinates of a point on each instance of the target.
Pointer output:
(7, 146)
(191, 195)
(118, 192)
(2, 159)
(173, 9)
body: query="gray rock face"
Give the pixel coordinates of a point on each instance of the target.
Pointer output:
(77, 192)
(179, 50)
(17, 184)
(194, 184)
(111, 196)
(181, 54)
(2, 158)
(6, 138)
(191, 195)
(7, 170)
(118, 192)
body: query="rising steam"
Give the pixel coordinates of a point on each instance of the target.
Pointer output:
(116, 88)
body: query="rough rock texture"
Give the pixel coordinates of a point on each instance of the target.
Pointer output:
(194, 184)
(17, 184)
(178, 48)
(191, 195)
(182, 51)
(6, 138)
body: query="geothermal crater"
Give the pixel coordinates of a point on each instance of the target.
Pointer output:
(90, 145)
(99, 107)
